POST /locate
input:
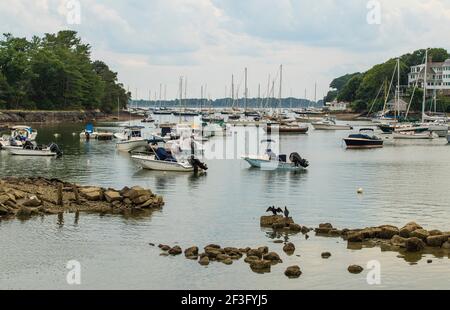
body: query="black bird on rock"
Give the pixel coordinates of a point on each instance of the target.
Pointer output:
(274, 210)
(286, 212)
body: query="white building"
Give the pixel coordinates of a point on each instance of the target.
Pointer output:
(337, 106)
(438, 76)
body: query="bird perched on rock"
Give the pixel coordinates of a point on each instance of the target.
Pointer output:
(286, 212)
(274, 210)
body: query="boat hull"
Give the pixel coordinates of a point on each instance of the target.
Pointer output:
(353, 143)
(149, 163)
(127, 146)
(271, 164)
(331, 127)
(24, 152)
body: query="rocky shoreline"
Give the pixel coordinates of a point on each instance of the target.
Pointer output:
(27, 197)
(33, 117)
(411, 238)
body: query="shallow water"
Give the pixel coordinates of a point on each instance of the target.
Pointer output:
(403, 182)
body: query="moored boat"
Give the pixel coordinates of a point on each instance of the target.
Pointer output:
(31, 149)
(365, 139)
(130, 139)
(329, 123)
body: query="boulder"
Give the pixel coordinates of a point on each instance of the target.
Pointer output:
(335, 232)
(324, 228)
(93, 195)
(141, 199)
(406, 230)
(326, 255)
(176, 250)
(222, 257)
(213, 246)
(273, 257)
(191, 252)
(293, 272)
(446, 245)
(283, 222)
(263, 250)
(204, 261)
(164, 247)
(437, 241)
(420, 233)
(261, 265)
(112, 196)
(387, 232)
(355, 269)
(32, 202)
(255, 252)
(398, 241)
(295, 228)
(213, 252)
(4, 198)
(135, 193)
(414, 244)
(250, 259)
(268, 221)
(289, 248)
(227, 261)
(4, 210)
(355, 237)
(435, 232)
(24, 212)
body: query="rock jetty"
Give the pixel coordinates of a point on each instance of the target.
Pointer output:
(26, 197)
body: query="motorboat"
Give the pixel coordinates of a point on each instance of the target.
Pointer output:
(164, 161)
(31, 149)
(329, 123)
(411, 135)
(89, 132)
(287, 128)
(130, 139)
(149, 119)
(306, 118)
(365, 139)
(19, 135)
(271, 161)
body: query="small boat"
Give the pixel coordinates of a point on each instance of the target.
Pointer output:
(272, 161)
(329, 123)
(19, 135)
(411, 135)
(31, 149)
(130, 139)
(149, 119)
(89, 133)
(163, 161)
(287, 128)
(364, 140)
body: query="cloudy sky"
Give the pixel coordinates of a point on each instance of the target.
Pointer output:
(150, 42)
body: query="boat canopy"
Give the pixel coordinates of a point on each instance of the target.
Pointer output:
(366, 129)
(89, 128)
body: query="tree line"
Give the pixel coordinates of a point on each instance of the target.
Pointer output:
(56, 72)
(361, 89)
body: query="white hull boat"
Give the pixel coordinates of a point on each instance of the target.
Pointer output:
(330, 124)
(150, 162)
(130, 145)
(264, 163)
(49, 151)
(414, 136)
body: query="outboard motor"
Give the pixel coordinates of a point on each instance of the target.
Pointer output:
(298, 160)
(197, 164)
(55, 149)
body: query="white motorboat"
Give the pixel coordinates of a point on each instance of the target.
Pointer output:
(19, 135)
(151, 162)
(130, 139)
(271, 161)
(411, 135)
(329, 123)
(31, 149)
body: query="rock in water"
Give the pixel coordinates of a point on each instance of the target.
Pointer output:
(268, 221)
(204, 261)
(191, 252)
(273, 257)
(112, 196)
(293, 272)
(414, 244)
(32, 202)
(289, 248)
(437, 241)
(326, 255)
(355, 269)
(176, 250)
(420, 233)
(446, 245)
(261, 265)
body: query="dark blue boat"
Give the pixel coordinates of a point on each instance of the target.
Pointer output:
(365, 139)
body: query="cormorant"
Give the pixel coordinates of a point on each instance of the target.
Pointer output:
(274, 210)
(286, 212)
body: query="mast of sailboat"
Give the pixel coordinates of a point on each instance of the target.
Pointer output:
(246, 92)
(181, 97)
(425, 85)
(232, 91)
(281, 88)
(398, 88)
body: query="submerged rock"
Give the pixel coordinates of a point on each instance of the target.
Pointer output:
(326, 255)
(289, 248)
(414, 244)
(437, 241)
(324, 228)
(293, 272)
(355, 269)
(204, 261)
(176, 250)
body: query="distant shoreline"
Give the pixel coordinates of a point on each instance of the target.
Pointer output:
(39, 117)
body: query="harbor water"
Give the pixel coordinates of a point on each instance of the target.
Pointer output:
(401, 182)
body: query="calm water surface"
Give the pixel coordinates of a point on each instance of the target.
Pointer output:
(403, 182)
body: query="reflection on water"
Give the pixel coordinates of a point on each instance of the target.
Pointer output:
(401, 184)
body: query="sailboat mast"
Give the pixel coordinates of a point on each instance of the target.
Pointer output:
(281, 85)
(398, 86)
(425, 86)
(246, 91)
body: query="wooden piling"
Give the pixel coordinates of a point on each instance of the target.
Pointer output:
(60, 195)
